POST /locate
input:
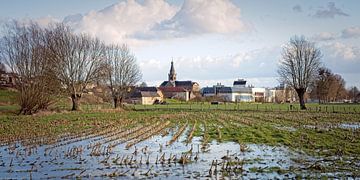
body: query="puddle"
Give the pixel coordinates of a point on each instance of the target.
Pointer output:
(350, 126)
(285, 128)
(151, 158)
(353, 126)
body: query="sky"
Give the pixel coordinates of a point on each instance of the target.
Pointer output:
(210, 41)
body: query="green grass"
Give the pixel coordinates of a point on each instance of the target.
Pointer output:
(314, 107)
(8, 102)
(242, 127)
(260, 123)
(289, 129)
(7, 96)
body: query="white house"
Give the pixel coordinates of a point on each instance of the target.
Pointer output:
(240, 93)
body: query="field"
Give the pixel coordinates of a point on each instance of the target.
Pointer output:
(203, 106)
(181, 143)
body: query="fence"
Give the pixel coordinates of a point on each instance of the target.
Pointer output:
(329, 108)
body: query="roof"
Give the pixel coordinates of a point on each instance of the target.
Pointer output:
(139, 94)
(240, 82)
(208, 90)
(172, 89)
(183, 83)
(179, 83)
(242, 90)
(150, 89)
(224, 90)
(150, 94)
(172, 69)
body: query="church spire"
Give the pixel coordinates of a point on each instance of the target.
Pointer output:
(172, 74)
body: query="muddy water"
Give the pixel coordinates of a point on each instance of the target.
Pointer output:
(354, 126)
(257, 161)
(348, 126)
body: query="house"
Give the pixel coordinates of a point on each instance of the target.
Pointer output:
(145, 96)
(208, 91)
(225, 93)
(242, 94)
(240, 83)
(285, 94)
(239, 92)
(192, 88)
(8, 79)
(176, 93)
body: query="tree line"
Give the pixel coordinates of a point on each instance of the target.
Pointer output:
(53, 60)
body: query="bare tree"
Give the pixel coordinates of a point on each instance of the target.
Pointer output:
(354, 94)
(299, 65)
(328, 86)
(337, 90)
(77, 60)
(2, 67)
(143, 84)
(123, 72)
(321, 85)
(23, 49)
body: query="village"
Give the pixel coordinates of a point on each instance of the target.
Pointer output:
(189, 90)
(186, 91)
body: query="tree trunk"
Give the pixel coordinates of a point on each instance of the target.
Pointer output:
(301, 92)
(75, 101)
(121, 101)
(115, 102)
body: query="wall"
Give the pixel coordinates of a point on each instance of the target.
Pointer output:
(150, 100)
(182, 95)
(244, 97)
(227, 96)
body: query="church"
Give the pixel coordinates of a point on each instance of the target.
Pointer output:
(184, 90)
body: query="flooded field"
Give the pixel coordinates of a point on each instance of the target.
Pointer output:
(178, 146)
(99, 157)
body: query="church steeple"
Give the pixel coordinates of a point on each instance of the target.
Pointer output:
(172, 74)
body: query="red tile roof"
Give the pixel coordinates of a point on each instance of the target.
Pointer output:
(172, 89)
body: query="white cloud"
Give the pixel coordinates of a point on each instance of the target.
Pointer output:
(351, 32)
(152, 64)
(136, 23)
(343, 51)
(119, 22)
(330, 11)
(251, 64)
(45, 21)
(297, 8)
(255, 81)
(343, 59)
(241, 58)
(203, 16)
(42, 21)
(324, 36)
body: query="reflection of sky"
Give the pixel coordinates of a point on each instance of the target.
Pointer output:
(270, 23)
(56, 165)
